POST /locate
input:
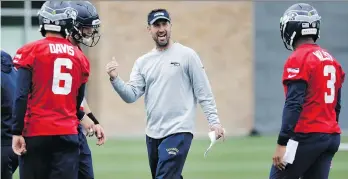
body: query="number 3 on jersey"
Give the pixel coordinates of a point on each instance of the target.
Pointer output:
(59, 76)
(330, 69)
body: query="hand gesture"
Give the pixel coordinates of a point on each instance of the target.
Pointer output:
(111, 68)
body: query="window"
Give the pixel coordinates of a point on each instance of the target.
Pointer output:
(34, 20)
(12, 4)
(37, 4)
(12, 20)
(14, 17)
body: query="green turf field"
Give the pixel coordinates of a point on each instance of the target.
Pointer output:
(237, 158)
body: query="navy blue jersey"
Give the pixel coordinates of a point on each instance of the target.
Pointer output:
(8, 86)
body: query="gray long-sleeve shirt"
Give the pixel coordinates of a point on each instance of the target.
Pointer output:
(173, 81)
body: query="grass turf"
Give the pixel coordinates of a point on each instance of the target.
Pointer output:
(236, 158)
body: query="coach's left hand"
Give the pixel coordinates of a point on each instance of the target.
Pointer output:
(278, 157)
(219, 131)
(99, 132)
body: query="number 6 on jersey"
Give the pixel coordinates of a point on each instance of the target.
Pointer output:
(59, 76)
(330, 69)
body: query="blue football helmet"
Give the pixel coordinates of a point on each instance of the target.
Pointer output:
(56, 16)
(299, 20)
(86, 27)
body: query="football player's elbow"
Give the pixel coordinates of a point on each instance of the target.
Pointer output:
(293, 106)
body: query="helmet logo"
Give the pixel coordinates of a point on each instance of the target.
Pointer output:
(71, 13)
(292, 16)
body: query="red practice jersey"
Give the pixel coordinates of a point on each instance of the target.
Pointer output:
(324, 76)
(58, 70)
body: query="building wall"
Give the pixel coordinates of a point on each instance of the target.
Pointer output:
(221, 33)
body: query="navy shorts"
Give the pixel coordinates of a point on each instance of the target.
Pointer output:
(50, 157)
(9, 162)
(85, 164)
(167, 156)
(313, 157)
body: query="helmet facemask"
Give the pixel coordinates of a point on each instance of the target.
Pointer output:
(87, 35)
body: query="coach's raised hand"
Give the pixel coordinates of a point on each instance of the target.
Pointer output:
(111, 68)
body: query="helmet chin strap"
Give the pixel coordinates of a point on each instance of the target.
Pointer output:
(66, 32)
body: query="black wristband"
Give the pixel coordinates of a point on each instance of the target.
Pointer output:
(90, 115)
(282, 140)
(80, 114)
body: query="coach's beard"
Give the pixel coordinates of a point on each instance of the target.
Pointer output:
(163, 42)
